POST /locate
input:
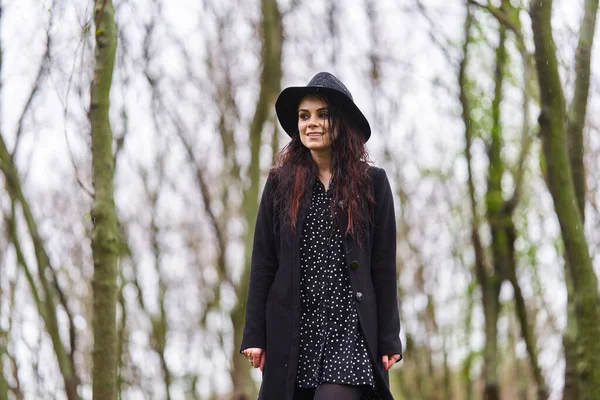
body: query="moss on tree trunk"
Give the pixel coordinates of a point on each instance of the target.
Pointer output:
(105, 237)
(553, 129)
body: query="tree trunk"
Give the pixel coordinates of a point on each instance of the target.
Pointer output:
(575, 141)
(488, 283)
(578, 107)
(447, 372)
(466, 376)
(270, 86)
(4, 335)
(553, 129)
(570, 390)
(497, 221)
(527, 330)
(105, 236)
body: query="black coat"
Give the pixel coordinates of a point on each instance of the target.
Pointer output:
(273, 304)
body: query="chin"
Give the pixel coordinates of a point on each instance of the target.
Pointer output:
(318, 149)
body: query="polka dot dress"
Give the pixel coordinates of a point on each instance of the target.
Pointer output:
(332, 347)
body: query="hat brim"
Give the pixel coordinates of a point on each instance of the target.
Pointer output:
(286, 107)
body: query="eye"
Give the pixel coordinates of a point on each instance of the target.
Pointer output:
(303, 116)
(324, 115)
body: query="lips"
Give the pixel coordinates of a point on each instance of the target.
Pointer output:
(314, 134)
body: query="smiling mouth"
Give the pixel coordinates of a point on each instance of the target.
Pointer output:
(314, 134)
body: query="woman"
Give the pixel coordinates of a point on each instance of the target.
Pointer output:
(322, 312)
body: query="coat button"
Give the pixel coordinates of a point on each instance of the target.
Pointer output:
(354, 265)
(358, 296)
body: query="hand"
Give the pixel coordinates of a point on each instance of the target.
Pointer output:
(256, 357)
(389, 360)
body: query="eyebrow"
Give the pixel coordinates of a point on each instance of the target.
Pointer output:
(318, 109)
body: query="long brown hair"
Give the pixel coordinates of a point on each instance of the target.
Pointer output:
(295, 170)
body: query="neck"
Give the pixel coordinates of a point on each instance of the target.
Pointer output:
(323, 162)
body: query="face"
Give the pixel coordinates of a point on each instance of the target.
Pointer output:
(313, 124)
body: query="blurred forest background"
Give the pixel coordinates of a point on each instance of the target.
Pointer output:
(486, 116)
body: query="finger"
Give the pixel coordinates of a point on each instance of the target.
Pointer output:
(256, 358)
(392, 361)
(249, 356)
(263, 357)
(384, 359)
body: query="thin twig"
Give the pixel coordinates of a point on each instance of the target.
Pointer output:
(434, 27)
(36, 85)
(500, 15)
(100, 14)
(65, 105)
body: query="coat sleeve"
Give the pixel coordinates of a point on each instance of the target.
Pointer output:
(383, 267)
(262, 271)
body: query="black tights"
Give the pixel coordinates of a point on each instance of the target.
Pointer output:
(329, 391)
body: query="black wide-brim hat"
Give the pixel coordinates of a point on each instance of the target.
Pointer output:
(324, 84)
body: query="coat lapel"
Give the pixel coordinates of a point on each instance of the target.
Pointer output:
(342, 217)
(304, 206)
(296, 237)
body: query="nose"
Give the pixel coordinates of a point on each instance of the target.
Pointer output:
(314, 120)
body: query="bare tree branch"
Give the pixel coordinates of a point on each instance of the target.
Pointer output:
(21, 261)
(44, 64)
(15, 191)
(65, 103)
(481, 264)
(578, 109)
(527, 138)
(188, 147)
(508, 15)
(500, 15)
(160, 325)
(433, 27)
